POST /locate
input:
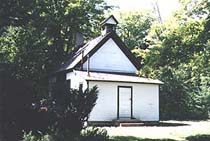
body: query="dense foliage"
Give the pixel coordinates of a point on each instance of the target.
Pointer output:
(68, 110)
(180, 57)
(87, 134)
(176, 52)
(94, 134)
(35, 38)
(134, 28)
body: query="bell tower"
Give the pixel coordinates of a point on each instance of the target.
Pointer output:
(109, 25)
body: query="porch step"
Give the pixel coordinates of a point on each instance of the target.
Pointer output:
(131, 124)
(127, 122)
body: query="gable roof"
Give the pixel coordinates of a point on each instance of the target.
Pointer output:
(104, 21)
(79, 56)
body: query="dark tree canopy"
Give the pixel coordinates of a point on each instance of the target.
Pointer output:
(36, 36)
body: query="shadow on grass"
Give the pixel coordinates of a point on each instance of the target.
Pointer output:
(199, 138)
(131, 138)
(142, 124)
(164, 124)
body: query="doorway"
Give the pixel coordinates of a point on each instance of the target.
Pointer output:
(125, 101)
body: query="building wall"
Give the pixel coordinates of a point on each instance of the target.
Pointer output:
(145, 101)
(76, 80)
(110, 58)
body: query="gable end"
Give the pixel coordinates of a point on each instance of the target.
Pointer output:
(126, 51)
(119, 43)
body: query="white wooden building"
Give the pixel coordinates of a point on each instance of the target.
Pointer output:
(107, 63)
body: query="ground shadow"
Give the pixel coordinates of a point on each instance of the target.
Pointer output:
(131, 138)
(195, 120)
(165, 124)
(203, 137)
(143, 124)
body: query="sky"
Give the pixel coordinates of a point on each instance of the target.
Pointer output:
(166, 7)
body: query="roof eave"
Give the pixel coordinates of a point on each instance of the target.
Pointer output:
(154, 83)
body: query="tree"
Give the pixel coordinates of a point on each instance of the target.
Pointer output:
(69, 109)
(37, 36)
(134, 28)
(179, 57)
(15, 104)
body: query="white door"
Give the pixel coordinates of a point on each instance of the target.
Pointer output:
(125, 100)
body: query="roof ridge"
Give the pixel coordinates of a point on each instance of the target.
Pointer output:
(92, 46)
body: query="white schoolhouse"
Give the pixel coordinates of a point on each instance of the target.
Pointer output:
(107, 63)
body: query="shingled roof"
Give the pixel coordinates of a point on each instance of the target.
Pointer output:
(79, 56)
(99, 76)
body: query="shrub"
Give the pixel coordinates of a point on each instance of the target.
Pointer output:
(94, 134)
(69, 109)
(30, 137)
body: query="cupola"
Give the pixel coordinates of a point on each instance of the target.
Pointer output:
(109, 25)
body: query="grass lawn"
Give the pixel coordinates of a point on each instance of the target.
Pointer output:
(166, 131)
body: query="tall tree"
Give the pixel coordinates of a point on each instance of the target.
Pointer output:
(179, 57)
(133, 29)
(37, 36)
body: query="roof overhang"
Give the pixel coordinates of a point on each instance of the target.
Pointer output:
(110, 77)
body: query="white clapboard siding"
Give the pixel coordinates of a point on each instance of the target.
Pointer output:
(110, 58)
(76, 80)
(145, 101)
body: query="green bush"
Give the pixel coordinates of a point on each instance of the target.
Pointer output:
(30, 137)
(94, 134)
(183, 99)
(70, 108)
(87, 134)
